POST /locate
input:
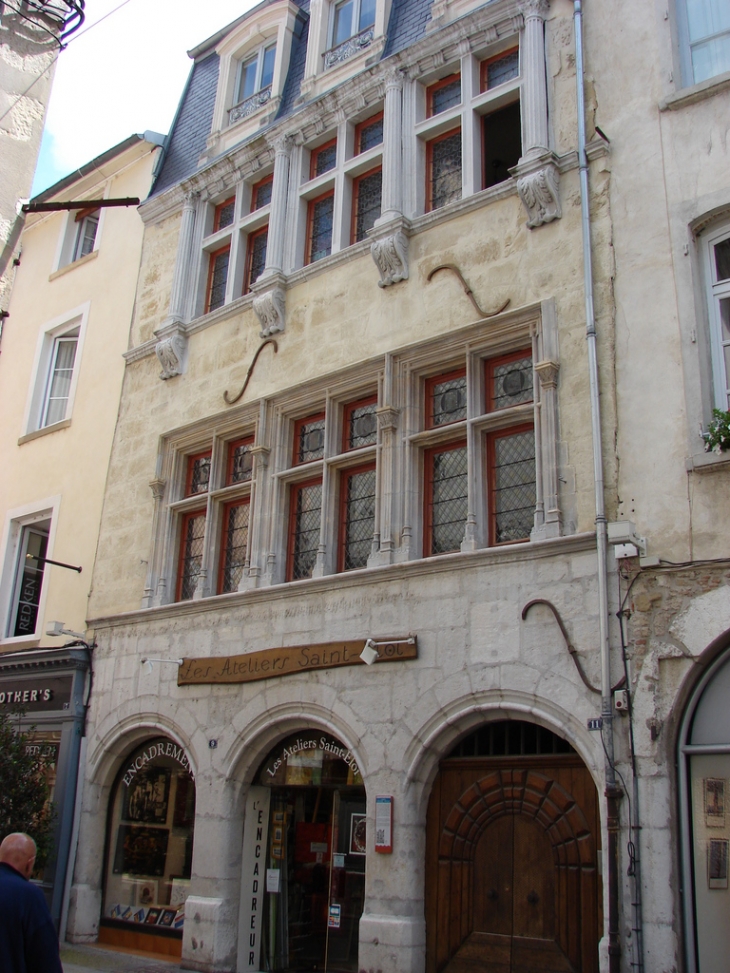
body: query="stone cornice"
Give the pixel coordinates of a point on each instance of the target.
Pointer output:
(477, 29)
(404, 571)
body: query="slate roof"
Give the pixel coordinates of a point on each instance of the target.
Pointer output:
(192, 123)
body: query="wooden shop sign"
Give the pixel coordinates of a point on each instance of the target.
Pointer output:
(287, 661)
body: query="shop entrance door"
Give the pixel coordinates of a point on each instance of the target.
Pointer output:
(512, 861)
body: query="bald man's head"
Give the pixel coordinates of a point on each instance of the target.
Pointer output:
(18, 850)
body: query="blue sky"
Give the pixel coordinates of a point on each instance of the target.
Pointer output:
(121, 75)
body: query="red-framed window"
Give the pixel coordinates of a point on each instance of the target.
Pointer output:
(239, 467)
(190, 561)
(309, 439)
(217, 278)
(497, 70)
(224, 214)
(305, 519)
(261, 192)
(197, 474)
(234, 544)
(255, 257)
(443, 169)
(369, 133)
(320, 221)
(511, 484)
(445, 398)
(360, 424)
(367, 193)
(323, 159)
(443, 94)
(357, 517)
(508, 380)
(446, 497)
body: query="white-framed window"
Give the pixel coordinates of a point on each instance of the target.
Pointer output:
(468, 133)
(81, 235)
(716, 253)
(350, 18)
(56, 370)
(254, 82)
(704, 32)
(234, 245)
(27, 542)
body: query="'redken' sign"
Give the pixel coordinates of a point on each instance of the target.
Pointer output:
(287, 661)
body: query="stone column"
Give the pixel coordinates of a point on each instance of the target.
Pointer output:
(182, 275)
(534, 87)
(277, 221)
(392, 205)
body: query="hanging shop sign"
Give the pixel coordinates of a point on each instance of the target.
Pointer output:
(47, 694)
(256, 876)
(292, 659)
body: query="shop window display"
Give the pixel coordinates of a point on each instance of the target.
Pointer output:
(315, 860)
(150, 841)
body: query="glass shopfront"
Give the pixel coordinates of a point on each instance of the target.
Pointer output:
(312, 811)
(149, 846)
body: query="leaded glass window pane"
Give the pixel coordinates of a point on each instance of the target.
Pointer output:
(369, 194)
(371, 134)
(59, 384)
(305, 533)
(235, 541)
(512, 383)
(241, 462)
(325, 159)
(191, 557)
(321, 228)
(257, 256)
(445, 170)
(309, 440)
(448, 499)
(218, 279)
(447, 400)
(445, 96)
(262, 194)
(224, 214)
(362, 426)
(198, 474)
(359, 518)
(503, 69)
(513, 492)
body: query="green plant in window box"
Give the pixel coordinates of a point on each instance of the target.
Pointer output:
(717, 437)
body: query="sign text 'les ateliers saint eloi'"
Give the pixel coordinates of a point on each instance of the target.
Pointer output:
(289, 660)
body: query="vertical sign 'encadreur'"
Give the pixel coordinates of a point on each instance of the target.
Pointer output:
(255, 837)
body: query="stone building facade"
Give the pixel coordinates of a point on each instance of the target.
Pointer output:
(411, 589)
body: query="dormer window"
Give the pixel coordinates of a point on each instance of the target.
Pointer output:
(253, 87)
(352, 28)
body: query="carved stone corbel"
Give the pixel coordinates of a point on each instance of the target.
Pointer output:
(171, 352)
(270, 308)
(390, 254)
(540, 194)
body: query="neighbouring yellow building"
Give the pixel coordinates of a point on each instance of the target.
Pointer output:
(61, 373)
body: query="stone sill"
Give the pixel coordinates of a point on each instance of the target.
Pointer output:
(708, 462)
(698, 92)
(18, 644)
(492, 557)
(37, 433)
(72, 266)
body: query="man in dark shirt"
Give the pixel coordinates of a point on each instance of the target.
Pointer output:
(28, 940)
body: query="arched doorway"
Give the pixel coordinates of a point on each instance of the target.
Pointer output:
(304, 847)
(704, 782)
(512, 844)
(149, 850)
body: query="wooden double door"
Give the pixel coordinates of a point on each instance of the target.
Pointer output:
(512, 881)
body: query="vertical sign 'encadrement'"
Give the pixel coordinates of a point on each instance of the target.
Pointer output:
(255, 837)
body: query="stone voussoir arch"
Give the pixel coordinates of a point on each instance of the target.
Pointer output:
(127, 734)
